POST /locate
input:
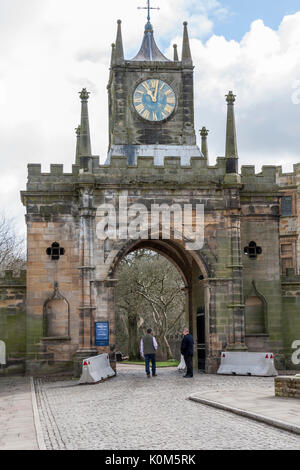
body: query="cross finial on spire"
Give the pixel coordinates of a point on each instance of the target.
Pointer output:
(148, 7)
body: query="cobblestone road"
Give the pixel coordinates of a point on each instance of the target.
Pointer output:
(132, 412)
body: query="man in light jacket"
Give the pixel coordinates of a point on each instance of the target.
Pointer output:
(148, 351)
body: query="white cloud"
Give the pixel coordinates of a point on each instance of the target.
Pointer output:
(50, 49)
(262, 70)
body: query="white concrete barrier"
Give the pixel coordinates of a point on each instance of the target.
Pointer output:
(2, 353)
(247, 363)
(182, 365)
(96, 368)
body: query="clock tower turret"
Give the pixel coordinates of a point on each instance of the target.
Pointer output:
(151, 102)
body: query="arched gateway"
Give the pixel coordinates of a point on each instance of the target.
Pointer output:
(153, 161)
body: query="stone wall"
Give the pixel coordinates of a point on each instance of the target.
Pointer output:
(287, 387)
(289, 187)
(62, 208)
(13, 320)
(291, 317)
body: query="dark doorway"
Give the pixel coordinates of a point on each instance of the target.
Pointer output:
(201, 338)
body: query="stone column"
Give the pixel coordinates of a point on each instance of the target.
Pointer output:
(105, 311)
(215, 317)
(236, 306)
(86, 275)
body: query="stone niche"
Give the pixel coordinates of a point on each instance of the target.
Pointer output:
(56, 318)
(255, 316)
(257, 338)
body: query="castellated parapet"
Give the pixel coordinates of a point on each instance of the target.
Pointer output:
(146, 172)
(11, 277)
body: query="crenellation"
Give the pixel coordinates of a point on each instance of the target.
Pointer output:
(263, 182)
(248, 170)
(12, 277)
(269, 171)
(34, 169)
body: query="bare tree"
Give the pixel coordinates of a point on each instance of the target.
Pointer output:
(150, 293)
(12, 247)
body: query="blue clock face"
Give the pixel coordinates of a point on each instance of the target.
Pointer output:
(154, 100)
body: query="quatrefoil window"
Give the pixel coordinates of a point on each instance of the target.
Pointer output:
(252, 250)
(55, 251)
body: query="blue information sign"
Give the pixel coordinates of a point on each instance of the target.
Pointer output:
(102, 333)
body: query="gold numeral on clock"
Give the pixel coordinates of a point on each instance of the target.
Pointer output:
(171, 100)
(146, 86)
(154, 116)
(140, 108)
(146, 114)
(138, 99)
(168, 109)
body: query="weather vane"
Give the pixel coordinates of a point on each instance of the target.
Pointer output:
(148, 7)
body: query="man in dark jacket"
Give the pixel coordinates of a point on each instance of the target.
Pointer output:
(187, 350)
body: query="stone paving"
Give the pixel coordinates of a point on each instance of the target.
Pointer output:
(133, 412)
(17, 427)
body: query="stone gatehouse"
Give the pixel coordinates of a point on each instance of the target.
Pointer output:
(240, 290)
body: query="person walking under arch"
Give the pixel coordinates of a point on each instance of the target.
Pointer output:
(148, 350)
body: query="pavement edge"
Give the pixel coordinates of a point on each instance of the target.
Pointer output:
(36, 418)
(247, 414)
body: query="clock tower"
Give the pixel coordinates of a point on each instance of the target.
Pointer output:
(151, 102)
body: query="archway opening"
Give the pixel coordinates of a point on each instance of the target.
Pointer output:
(162, 286)
(150, 293)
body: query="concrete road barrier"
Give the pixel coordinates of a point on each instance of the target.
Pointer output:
(95, 369)
(247, 363)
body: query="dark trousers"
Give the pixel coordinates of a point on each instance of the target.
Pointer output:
(152, 358)
(189, 365)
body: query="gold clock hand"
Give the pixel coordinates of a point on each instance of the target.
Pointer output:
(149, 92)
(156, 91)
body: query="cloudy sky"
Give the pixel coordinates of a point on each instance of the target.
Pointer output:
(50, 49)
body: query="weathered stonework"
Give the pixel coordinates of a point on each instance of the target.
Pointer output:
(13, 320)
(235, 278)
(235, 214)
(287, 387)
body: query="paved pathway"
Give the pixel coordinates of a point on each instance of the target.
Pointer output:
(17, 427)
(260, 404)
(132, 412)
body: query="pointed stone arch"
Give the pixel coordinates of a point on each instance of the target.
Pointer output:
(193, 266)
(56, 316)
(256, 312)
